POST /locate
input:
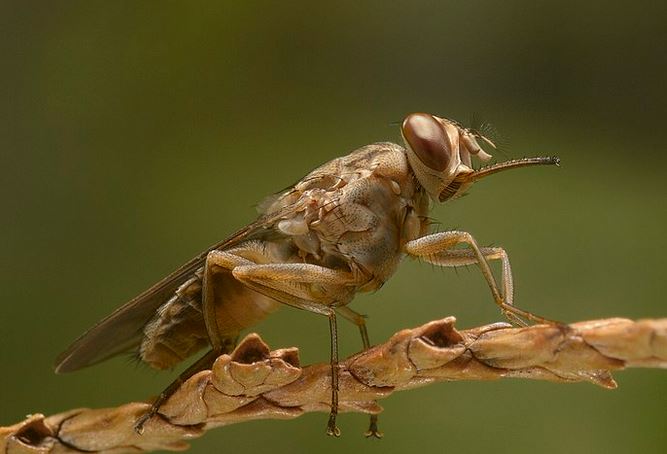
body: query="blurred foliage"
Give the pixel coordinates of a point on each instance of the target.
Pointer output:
(135, 134)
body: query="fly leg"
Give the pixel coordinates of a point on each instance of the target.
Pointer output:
(296, 284)
(360, 320)
(202, 363)
(220, 342)
(439, 249)
(463, 257)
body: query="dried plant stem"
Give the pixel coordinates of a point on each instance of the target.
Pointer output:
(254, 382)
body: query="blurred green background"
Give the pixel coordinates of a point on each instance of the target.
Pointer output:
(135, 134)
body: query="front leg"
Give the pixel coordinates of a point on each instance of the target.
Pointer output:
(439, 249)
(436, 243)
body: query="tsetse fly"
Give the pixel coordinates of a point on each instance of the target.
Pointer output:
(341, 230)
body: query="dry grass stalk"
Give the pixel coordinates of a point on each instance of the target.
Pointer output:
(254, 382)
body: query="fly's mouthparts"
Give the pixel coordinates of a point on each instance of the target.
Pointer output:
(514, 163)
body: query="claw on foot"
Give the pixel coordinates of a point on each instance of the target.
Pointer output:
(513, 318)
(373, 431)
(139, 425)
(332, 429)
(519, 317)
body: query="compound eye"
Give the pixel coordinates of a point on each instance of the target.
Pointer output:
(427, 137)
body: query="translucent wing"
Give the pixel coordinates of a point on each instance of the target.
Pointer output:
(123, 329)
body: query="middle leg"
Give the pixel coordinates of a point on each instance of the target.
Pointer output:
(301, 285)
